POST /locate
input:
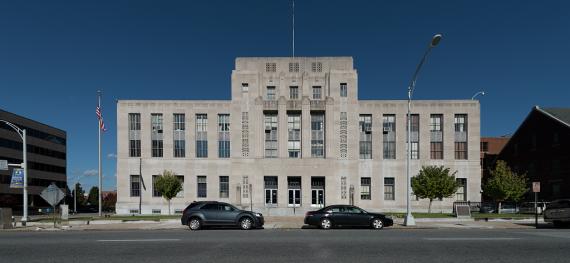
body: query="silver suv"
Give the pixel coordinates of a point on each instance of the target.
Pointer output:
(558, 212)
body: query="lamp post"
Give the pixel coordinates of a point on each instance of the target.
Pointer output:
(23, 165)
(482, 93)
(409, 219)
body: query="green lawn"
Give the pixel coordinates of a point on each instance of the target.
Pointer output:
(114, 217)
(474, 215)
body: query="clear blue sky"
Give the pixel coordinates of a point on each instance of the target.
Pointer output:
(54, 55)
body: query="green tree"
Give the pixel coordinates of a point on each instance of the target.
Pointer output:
(434, 182)
(93, 197)
(109, 201)
(81, 200)
(168, 185)
(505, 185)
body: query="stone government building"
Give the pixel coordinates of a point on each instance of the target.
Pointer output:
(294, 137)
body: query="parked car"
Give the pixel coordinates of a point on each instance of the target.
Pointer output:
(558, 212)
(488, 208)
(509, 208)
(528, 207)
(212, 213)
(346, 215)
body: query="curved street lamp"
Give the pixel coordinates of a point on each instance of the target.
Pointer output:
(23, 165)
(409, 219)
(482, 93)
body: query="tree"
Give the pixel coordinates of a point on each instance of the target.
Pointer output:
(81, 201)
(109, 201)
(505, 185)
(93, 197)
(168, 185)
(434, 182)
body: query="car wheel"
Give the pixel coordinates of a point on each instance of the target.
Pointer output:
(245, 223)
(195, 224)
(377, 223)
(326, 223)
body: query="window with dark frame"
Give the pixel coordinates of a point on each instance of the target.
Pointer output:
(415, 136)
(317, 93)
(179, 135)
(201, 135)
(202, 186)
(436, 134)
(318, 135)
(157, 132)
(389, 188)
(224, 187)
(135, 185)
(271, 186)
(223, 135)
(365, 143)
(271, 143)
(460, 136)
(343, 90)
(270, 95)
(155, 192)
(462, 189)
(134, 135)
(293, 92)
(294, 135)
(389, 136)
(365, 183)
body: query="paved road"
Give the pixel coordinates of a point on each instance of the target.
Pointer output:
(341, 245)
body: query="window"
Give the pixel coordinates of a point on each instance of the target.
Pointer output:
(436, 135)
(201, 135)
(270, 93)
(316, 67)
(318, 135)
(179, 135)
(134, 135)
(156, 211)
(365, 123)
(270, 67)
(202, 187)
(415, 136)
(294, 191)
(462, 190)
(271, 186)
(294, 67)
(245, 186)
(245, 134)
(389, 136)
(181, 179)
(343, 90)
(365, 188)
(343, 135)
(155, 192)
(317, 191)
(294, 135)
(224, 186)
(223, 135)
(389, 187)
(135, 185)
(244, 87)
(271, 135)
(156, 134)
(317, 92)
(461, 136)
(343, 187)
(294, 92)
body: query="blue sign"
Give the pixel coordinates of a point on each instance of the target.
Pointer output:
(17, 178)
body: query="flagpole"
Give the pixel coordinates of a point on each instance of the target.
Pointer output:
(99, 133)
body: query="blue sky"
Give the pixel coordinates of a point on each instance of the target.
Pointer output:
(55, 55)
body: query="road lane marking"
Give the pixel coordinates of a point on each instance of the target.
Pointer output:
(137, 240)
(470, 238)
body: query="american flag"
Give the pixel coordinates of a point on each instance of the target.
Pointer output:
(100, 118)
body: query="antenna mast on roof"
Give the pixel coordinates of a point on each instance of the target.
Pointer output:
(293, 16)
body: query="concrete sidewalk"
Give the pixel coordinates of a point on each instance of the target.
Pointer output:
(279, 222)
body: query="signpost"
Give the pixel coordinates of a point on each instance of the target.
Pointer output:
(536, 190)
(52, 194)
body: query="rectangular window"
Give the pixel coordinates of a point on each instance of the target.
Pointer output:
(202, 186)
(156, 134)
(318, 135)
(415, 136)
(462, 190)
(343, 135)
(343, 90)
(179, 135)
(155, 192)
(316, 67)
(135, 185)
(389, 187)
(224, 187)
(245, 186)
(365, 124)
(270, 93)
(181, 193)
(317, 92)
(202, 135)
(271, 135)
(223, 135)
(270, 67)
(134, 135)
(436, 136)
(389, 136)
(293, 92)
(294, 135)
(271, 186)
(294, 191)
(293, 66)
(343, 187)
(461, 136)
(365, 188)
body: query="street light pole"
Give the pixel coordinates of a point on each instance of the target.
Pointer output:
(477, 94)
(23, 165)
(409, 219)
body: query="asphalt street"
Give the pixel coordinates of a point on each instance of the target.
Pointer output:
(299, 245)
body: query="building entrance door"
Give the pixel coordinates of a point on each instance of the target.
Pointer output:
(318, 197)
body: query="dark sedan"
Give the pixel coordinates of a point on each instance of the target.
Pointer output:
(346, 215)
(211, 213)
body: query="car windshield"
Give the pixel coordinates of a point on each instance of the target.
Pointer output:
(560, 204)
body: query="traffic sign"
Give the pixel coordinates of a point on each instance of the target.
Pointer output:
(536, 187)
(52, 194)
(4, 165)
(17, 178)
